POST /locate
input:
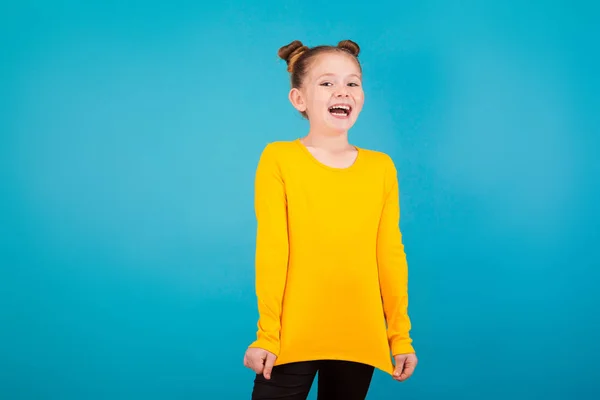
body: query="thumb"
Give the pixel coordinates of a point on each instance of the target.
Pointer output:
(269, 362)
(399, 366)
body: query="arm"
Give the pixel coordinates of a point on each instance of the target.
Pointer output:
(393, 268)
(271, 250)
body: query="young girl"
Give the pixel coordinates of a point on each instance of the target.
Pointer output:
(331, 271)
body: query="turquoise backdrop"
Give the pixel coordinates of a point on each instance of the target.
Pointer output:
(129, 136)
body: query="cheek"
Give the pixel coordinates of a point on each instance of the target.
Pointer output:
(321, 98)
(359, 97)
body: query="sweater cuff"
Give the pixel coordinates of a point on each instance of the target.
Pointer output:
(402, 347)
(267, 345)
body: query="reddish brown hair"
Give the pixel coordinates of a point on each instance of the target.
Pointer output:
(298, 57)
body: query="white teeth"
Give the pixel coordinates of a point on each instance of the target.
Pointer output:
(342, 106)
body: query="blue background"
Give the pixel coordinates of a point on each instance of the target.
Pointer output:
(129, 136)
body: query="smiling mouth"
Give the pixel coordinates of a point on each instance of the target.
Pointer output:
(340, 110)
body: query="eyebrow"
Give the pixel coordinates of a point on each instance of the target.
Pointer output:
(331, 74)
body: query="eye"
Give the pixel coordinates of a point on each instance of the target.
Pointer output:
(326, 84)
(353, 84)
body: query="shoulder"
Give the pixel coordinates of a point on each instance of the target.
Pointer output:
(278, 147)
(381, 165)
(274, 153)
(378, 158)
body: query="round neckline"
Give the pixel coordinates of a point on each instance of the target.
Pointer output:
(328, 167)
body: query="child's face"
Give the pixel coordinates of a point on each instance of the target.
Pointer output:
(333, 79)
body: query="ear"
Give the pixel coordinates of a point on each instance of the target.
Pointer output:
(297, 99)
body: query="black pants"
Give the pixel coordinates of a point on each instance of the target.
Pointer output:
(342, 380)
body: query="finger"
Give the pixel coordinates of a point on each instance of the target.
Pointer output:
(409, 368)
(255, 363)
(399, 367)
(248, 363)
(269, 366)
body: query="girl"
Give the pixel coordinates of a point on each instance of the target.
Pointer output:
(331, 271)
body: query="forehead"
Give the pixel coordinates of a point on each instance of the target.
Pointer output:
(335, 63)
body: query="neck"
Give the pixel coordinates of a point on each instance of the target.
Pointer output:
(332, 142)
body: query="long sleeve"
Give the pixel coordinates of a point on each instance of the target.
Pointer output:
(272, 247)
(393, 268)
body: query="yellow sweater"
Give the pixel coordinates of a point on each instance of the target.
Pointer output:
(331, 271)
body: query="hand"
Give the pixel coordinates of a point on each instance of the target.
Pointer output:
(260, 361)
(405, 366)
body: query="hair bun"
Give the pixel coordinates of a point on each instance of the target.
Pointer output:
(350, 46)
(291, 52)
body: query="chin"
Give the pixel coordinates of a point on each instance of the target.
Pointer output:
(340, 127)
(332, 126)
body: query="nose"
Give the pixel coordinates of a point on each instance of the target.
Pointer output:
(341, 92)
